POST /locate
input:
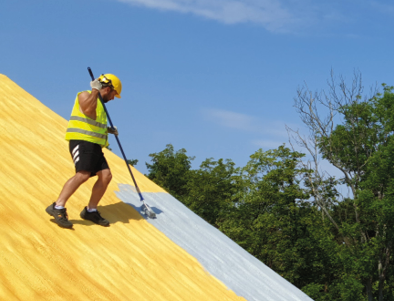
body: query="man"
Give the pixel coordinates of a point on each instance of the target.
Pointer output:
(87, 134)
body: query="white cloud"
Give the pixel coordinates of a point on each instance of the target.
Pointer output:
(268, 133)
(386, 8)
(283, 16)
(231, 119)
(247, 123)
(270, 13)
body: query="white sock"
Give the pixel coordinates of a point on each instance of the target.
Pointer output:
(91, 210)
(59, 207)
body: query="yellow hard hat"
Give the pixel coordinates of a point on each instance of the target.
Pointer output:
(110, 80)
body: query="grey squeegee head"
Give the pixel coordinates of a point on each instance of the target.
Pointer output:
(146, 210)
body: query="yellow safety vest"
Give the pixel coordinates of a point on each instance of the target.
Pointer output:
(81, 127)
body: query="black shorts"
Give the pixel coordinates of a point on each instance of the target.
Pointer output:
(87, 156)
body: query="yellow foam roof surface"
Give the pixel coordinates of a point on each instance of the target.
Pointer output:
(130, 260)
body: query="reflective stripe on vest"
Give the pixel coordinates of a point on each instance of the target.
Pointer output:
(89, 133)
(90, 121)
(81, 127)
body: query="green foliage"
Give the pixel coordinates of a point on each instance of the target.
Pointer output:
(171, 170)
(210, 189)
(361, 146)
(132, 162)
(290, 217)
(273, 219)
(207, 191)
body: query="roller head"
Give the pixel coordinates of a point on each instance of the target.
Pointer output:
(146, 210)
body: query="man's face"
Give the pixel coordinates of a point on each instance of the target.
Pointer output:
(109, 95)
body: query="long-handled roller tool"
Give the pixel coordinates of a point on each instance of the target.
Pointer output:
(146, 210)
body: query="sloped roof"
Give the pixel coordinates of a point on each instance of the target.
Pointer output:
(133, 259)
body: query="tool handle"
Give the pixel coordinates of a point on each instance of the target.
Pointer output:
(117, 139)
(91, 73)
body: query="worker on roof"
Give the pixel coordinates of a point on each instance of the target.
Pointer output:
(87, 133)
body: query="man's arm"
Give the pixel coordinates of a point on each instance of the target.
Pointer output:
(88, 101)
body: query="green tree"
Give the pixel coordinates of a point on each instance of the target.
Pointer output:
(132, 162)
(273, 220)
(206, 191)
(356, 136)
(211, 188)
(171, 170)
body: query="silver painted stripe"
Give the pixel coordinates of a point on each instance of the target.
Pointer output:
(89, 133)
(240, 272)
(89, 121)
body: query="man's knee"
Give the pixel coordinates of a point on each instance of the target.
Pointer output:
(82, 176)
(106, 176)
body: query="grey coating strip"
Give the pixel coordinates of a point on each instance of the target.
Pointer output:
(89, 121)
(89, 133)
(241, 272)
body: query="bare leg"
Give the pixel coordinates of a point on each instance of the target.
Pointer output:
(71, 186)
(99, 188)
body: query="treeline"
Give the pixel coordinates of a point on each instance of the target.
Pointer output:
(285, 210)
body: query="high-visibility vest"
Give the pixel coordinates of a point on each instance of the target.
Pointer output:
(81, 127)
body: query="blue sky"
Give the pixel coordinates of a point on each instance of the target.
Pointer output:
(217, 78)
